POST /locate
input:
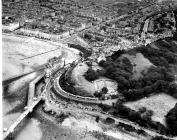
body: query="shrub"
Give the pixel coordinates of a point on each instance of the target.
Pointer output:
(91, 75)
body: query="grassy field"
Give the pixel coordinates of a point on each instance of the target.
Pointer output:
(160, 105)
(140, 64)
(84, 87)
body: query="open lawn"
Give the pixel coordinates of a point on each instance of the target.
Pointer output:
(84, 87)
(140, 64)
(160, 105)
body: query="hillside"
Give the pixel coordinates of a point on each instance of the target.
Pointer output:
(146, 78)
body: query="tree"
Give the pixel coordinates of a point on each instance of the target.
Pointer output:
(91, 75)
(159, 138)
(142, 110)
(171, 119)
(87, 36)
(172, 90)
(104, 90)
(97, 118)
(97, 94)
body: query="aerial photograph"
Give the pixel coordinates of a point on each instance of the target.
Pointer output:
(89, 69)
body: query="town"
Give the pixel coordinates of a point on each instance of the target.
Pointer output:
(108, 65)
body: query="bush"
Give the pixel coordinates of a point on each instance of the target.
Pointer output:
(142, 110)
(91, 75)
(142, 119)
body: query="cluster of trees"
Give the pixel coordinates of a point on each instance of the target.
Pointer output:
(92, 75)
(145, 91)
(61, 117)
(67, 85)
(101, 94)
(175, 13)
(165, 60)
(161, 23)
(165, 56)
(86, 52)
(130, 128)
(91, 37)
(171, 119)
(159, 138)
(88, 36)
(159, 78)
(141, 118)
(109, 120)
(147, 114)
(101, 136)
(119, 70)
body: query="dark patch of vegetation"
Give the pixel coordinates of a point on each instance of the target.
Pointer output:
(91, 75)
(159, 138)
(163, 22)
(119, 70)
(61, 117)
(101, 94)
(97, 119)
(67, 85)
(86, 52)
(175, 34)
(117, 54)
(159, 78)
(171, 119)
(105, 107)
(141, 119)
(101, 136)
(88, 36)
(110, 120)
(164, 56)
(130, 128)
